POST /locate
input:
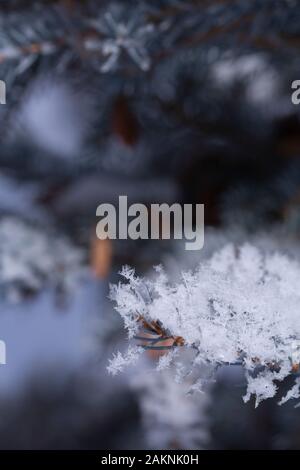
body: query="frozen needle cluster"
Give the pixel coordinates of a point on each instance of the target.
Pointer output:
(239, 306)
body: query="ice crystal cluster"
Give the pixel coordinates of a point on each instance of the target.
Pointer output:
(239, 306)
(30, 258)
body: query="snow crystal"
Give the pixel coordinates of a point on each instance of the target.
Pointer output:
(120, 361)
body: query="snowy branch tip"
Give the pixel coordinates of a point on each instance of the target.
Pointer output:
(242, 305)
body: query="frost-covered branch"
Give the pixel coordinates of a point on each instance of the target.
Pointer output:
(145, 32)
(240, 306)
(31, 258)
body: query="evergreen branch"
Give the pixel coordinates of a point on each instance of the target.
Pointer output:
(67, 25)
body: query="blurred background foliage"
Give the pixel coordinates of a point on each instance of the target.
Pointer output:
(163, 101)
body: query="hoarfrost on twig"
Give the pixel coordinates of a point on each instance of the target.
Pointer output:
(239, 306)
